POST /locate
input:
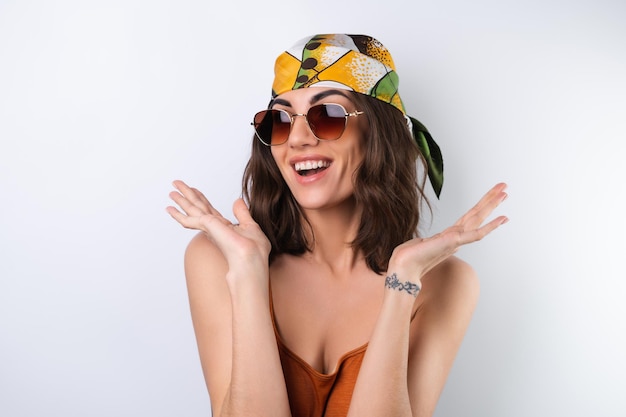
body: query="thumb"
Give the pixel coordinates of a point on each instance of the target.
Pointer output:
(241, 212)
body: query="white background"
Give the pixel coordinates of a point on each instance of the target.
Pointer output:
(104, 103)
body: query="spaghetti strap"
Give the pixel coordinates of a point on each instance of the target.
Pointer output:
(415, 313)
(271, 300)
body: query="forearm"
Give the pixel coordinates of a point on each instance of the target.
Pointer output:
(381, 387)
(257, 385)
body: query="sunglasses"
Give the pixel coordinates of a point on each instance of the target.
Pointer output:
(327, 122)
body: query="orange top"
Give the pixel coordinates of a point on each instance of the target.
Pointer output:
(313, 394)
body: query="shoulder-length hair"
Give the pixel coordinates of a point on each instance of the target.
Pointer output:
(387, 188)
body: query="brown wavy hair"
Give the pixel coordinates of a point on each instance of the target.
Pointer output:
(387, 187)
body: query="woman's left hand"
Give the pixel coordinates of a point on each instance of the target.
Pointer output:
(414, 258)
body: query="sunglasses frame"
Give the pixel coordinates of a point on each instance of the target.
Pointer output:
(293, 116)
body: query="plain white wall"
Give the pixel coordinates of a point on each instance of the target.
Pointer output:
(104, 103)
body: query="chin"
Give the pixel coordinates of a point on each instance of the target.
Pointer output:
(321, 202)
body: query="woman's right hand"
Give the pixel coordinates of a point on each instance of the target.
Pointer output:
(244, 245)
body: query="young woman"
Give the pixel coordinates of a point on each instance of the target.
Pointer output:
(322, 300)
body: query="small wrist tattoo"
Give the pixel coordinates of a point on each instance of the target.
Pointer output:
(392, 282)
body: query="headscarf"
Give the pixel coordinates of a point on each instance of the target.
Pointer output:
(357, 63)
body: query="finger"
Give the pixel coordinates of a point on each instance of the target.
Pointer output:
(241, 212)
(171, 210)
(202, 198)
(187, 206)
(190, 193)
(479, 217)
(199, 199)
(494, 194)
(489, 196)
(195, 197)
(181, 218)
(180, 185)
(477, 214)
(211, 225)
(479, 233)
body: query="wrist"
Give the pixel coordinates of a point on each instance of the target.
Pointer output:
(399, 287)
(248, 278)
(396, 303)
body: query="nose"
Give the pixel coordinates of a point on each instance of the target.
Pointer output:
(300, 133)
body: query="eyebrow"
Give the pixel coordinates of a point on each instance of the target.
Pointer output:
(317, 97)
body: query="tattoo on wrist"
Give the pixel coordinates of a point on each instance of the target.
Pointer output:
(392, 282)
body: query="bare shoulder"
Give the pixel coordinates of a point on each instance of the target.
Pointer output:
(446, 303)
(453, 280)
(210, 305)
(201, 252)
(205, 269)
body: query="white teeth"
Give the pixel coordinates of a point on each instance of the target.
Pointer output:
(307, 165)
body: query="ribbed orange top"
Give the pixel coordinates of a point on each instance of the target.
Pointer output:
(313, 394)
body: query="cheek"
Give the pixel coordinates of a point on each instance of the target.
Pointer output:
(275, 155)
(359, 136)
(359, 150)
(278, 156)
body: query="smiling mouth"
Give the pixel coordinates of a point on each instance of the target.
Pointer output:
(306, 168)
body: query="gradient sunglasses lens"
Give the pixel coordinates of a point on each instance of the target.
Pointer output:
(272, 126)
(326, 121)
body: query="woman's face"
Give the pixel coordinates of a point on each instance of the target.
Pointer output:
(319, 173)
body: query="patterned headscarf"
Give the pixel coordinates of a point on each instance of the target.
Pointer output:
(358, 63)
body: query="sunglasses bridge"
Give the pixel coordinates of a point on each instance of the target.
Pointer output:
(292, 116)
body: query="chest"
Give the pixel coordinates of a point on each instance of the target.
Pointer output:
(320, 318)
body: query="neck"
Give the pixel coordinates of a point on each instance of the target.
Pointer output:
(333, 230)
